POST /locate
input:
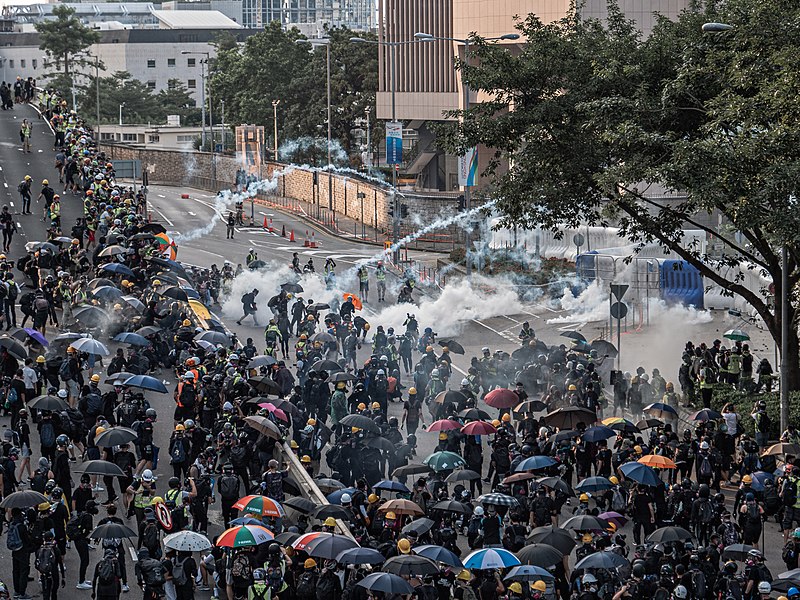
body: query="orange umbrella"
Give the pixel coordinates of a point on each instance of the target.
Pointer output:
(356, 300)
(402, 507)
(657, 462)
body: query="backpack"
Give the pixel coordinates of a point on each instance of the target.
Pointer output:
(698, 584)
(127, 413)
(73, 529)
(21, 187)
(179, 576)
(705, 512)
(153, 572)
(733, 589)
(64, 371)
(729, 533)
(307, 586)
(94, 404)
(238, 456)
(14, 539)
(47, 435)
(13, 291)
(618, 503)
(42, 305)
(474, 527)
(45, 561)
(106, 571)
(241, 571)
(705, 467)
(178, 452)
(790, 492)
(11, 396)
(229, 486)
(753, 515)
(150, 536)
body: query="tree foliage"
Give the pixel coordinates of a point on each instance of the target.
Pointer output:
(271, 65)
(591, 113)
(65, 36)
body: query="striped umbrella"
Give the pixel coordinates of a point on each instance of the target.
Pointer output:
(304, 540)
(260, 505)
(168, 246)
(244, 535)
(491, 558)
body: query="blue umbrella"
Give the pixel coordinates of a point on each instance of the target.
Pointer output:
(117, 269)
(598, 433)
(594, 484)
(706, 415)
(191, 294)
(535, 463)
(491, 558)
(336, 497)
(146, 383)
(134, 339)
(760, 479)
(391, 486)
(659, 409)
(528, 573)
(36, 336)
(640, 473)
(439, 554)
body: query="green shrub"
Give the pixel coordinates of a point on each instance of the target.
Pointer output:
(744, 406)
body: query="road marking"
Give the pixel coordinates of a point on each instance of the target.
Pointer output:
(5, 184)
(531, 314)
(206, 251)
(192, 214)
(163, 216)
(510, 319)
(161, 196)
(12, 204)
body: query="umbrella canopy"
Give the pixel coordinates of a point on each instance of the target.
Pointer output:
(90, 346)
(640, 473)
(598, 433)
(649, 423)
(453, 346)
(187, 541)
(534, 463)
(386, 583)
(570, 417)
(99, 282)
(452, 506)
(246, 520)
(450, 396)
(736, 335)
(462, 475)
(146, 382)
(356, 300)
(444, 425)
(660, 410)
(438, 554)
(36, 336)
(264, 426)
(148, 330)
(736, 552)
(540, 555)
(602, 560)
(323, 337)
(265, 385)
(490, 558)
(573, 335)
(329, 545)
(528, 573)
(410, 564)
(391, 486)
(326, 365)
(594, 484)
(479, 428)
(530, 406)
(517, 477)
(443, 461)
(657, 462)
(327, 485)
(121, 376)
(620, 424)
(244, 535)
(257, 361)
(782, 449)
(111, 531)
(400, 506)
(335, 497)
(337, 377)
(133, 339)
(419, 526)
(300, 504)
(474, 414)
(13, 347)
(332, 510)
(496, 499)
(556, 537)
(215, 337)
(115, 436)
(380, 443)
(101, 467)
(706, 415)
(153, 228)
(51, 403)
(107, 293)
(362, 422)
(557, 484)
(359, 556)
(411, 469)
(117, 269)
(23, 499)
(260, 505)
(669, 534)
(604, 348)
(501, 398)
(613, 517)
(292, 288)
(585, 523)
(174, 292)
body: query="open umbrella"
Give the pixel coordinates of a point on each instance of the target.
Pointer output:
(453, 346)
(605, 559)
(91, 345)
(264, 426)
(462, 475)
(452, 506)
(323, 337)
(356, 300)
(133, 339)
(490, 558)
(400, 506)
(706, 414)
(135, 304)
(146, 382)
(332, 510)
(337, 377)
(244, 535)
(327, 485)
(497, 499)
(450, 396)
(380, 443)
(101, 467)
(782, 449)
(391, 486)
(411, 469)
(640, 473)
(326, 365)
(419, 526)
(256, 264)
(257, 361)
(386, 583)
(117, 269)
(152, 228)
(292, 288)
(479, 428)
(361, 422)
(187, 541)
(114, 436)
(736, 552)
(669, 534)
(585, 523)
(106, 293)
(604, 348)
(540, 555)
(359, 556)
(649, 423)
(534, 463)
(36, 336)
(245, 520)
(438, 554)
(444, 425)
(319, 306)
(550, 535)
(530, 406)
(110, 531)
(215, 337)
(148, 330)
(594, 484)
(13, 347)
(329, 545)
(570, 417)
(410, 564)
(574, 335)
(174, 292)
(528, 573)
(335, 497)
(474, 414)
(598, 433)
(501, 398)
(51, 403)
(614, 517)
(300, 504)
(23, 499)
(736, 335)
(557, 484)
(657, 462)
(265, 385)
(260, 505)
(620, 424)
(660, 410)
(444, 461)
(99, 282)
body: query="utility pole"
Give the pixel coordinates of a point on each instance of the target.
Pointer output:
(275, 129)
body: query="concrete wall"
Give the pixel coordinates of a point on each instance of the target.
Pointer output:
(173, 167)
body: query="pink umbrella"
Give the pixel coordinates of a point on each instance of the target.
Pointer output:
(274, 410)
(444, 425)
(479, 428)
(614, 517)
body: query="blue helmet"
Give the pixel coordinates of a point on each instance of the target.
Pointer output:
(793, 591)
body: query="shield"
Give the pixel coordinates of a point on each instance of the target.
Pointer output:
(187, 541)
(410, 564)
(51, 403)
(570, 417)
(452, 345)
(110, 531)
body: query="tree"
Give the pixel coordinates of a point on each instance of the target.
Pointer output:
(589, 111)
(141, 104)
(176, 100)
(65, 36)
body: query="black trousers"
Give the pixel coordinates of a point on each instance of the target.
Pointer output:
(21, 562)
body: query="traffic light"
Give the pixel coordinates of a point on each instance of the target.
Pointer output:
(403, 211)
(462, 203)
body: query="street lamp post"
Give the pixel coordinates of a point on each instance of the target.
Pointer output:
(275, 129)
(367, 111)
(121, 106)
(222, 125)
(203, 93)
(97, 95)
(427, 37)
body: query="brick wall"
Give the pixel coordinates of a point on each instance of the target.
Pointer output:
(173, 167)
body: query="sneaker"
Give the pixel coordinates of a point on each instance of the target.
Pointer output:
(98, 488)
(204, 588)
(84, 586)
(125, 588)
(24, 597)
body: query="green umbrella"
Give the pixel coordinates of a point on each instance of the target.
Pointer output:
(444, 461)
(737, 335)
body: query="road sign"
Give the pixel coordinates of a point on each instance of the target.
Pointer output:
(127, 169)
(578, 239)
(619, 289)
(619, 310)
(394, 142)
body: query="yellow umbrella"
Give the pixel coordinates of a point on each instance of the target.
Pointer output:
(199, 309)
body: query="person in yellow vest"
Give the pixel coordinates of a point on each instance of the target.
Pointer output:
(55, 212)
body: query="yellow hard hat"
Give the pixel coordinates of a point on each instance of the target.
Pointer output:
(445, 349)
(506, 418)
(390, 516)
(180, 427)
(45, 182)
(96, 378)
(465, 575)
(28, 177)
(306, 459)
(747, 479)
(613, 479)
(496, 422)
(310, 317)
(515, 587)
(310, 563)
(354, 430)
(293, 445)
(43, 506)
(376, 405)
(587, 537)
(187, 323)
(366, 327)
(412, 391)
(372, 498)
(584, 498)
(125, 282)
(404, 546)
(442, 436)
(40, 359)
(2, 257)
(71, 350)
(75, 241)
(572, 387)
(157, 500)
(303, 336)
(637, 449)
(311, 422)
(118, 306)
(429, 349)
(98, 431)
(361, 406)
(330, 522)
(612, 527)
(539, 586)
(156, 282)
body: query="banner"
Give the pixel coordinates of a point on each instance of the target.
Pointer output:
(468, 167)
(394, 142)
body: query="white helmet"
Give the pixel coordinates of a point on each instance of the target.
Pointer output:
(381, 372)
(62, 394)
(465, 382)
(589, 578)
(384, 358)
(227, 406)
(680, 592)
(346, 499)
(435, 373)
(147, 475)
(543, 431)
(704, 446)
(188, 376)
(478, 511)
(764, 587)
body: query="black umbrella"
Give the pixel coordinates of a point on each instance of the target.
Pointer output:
(474, 414)
(332, 510)
(388, 583)
(101, 467)
(23, 499)
(337, 377)
(13, 346)
(649, 423)
(256, 264)
(319, 306)
(557, 484)
(261, 361)
(148, 330)
(605, 348)
(450, 396)
(530, 406)
(567, 434)
(142, 236)
(360, 556)
(214, 337)
(292, 288)
(462, 475)
(91, 316)
(410, 564)
(736, 552)
(541, 555)
(328, 485)
(585, 523)
(420, 526)
(115, 436)
(329, 545)
(326, 365)
(439, 554)
(556, 537)
(380, 443)
(51, 403)
(265, 385)
(111, 531)
(411, 469)
(569, 417)
(118, 376)
(452, 345)
(175, 293)
(361, 422)
(153, 228)
(99, 282)
(669, 534)
(606, 559)
(452, 506)
(301, 505)
(287, 538)
(574, 335)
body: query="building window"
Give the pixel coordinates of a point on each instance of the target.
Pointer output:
(107, 136)
(170, 62)
(151, 85)
(22, 63)
(190, 62)
(129, 137)
(34, 63)
(153, 139)
(191, 84)
(187, 38)
(151, 63)
(186, 138)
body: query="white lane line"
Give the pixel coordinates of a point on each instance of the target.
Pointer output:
(12, 204)
(5, 184)
(510, 319)
(163, 216)
(525, 312)
(500, 333)
(161, 196)
(192, 214)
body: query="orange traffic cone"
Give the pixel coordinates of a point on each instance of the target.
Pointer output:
(266, 225)
(291, 236)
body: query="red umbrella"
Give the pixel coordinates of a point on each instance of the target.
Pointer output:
(479, 428)
(501, 398)
(444, 425)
